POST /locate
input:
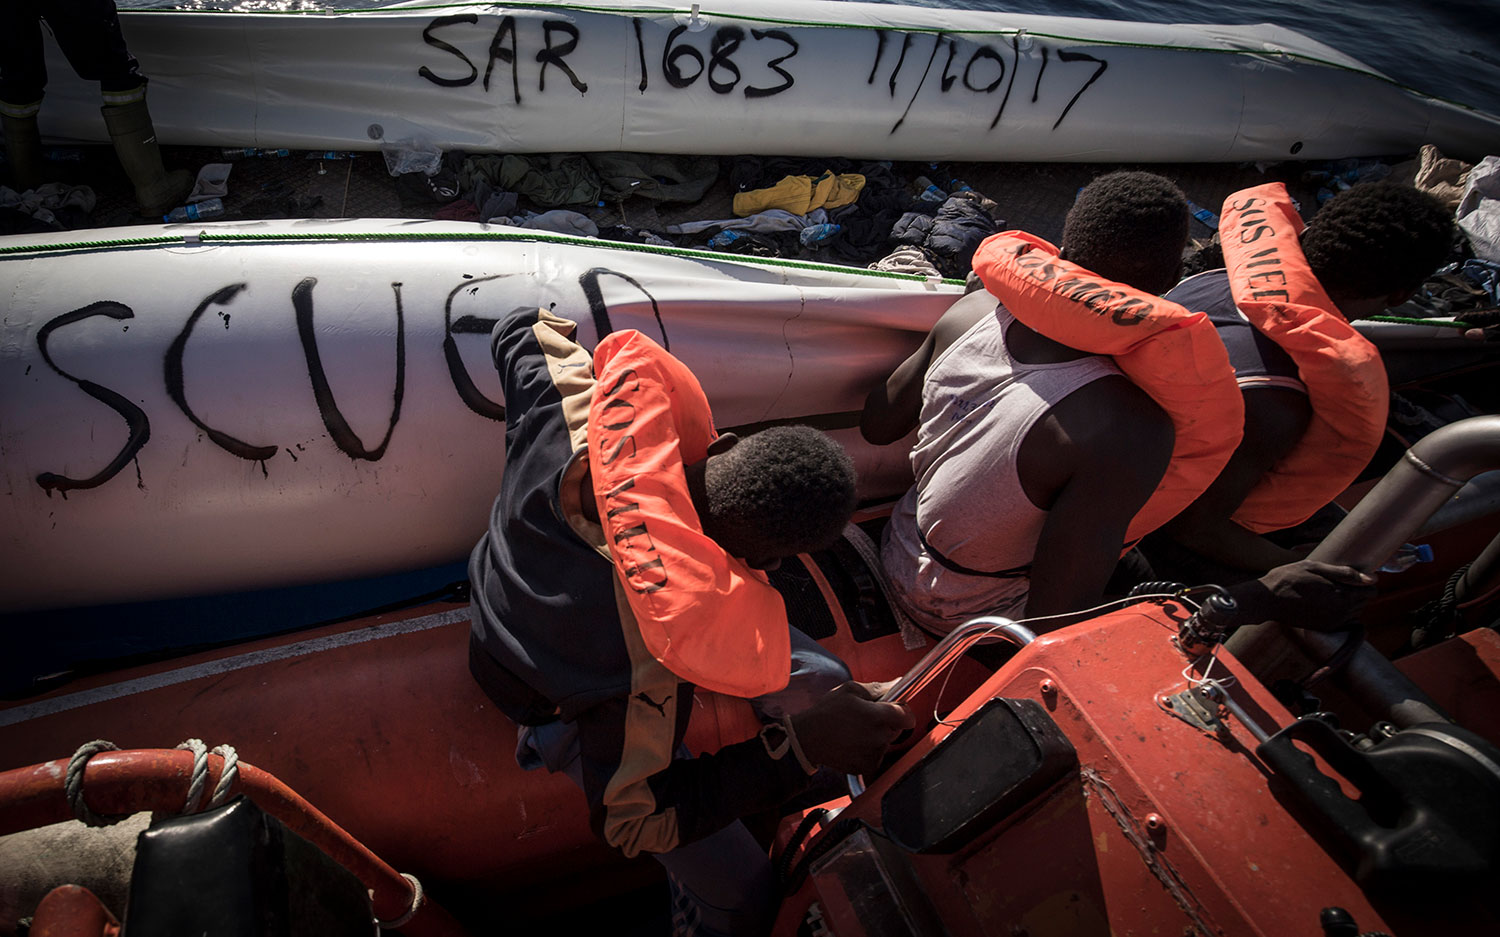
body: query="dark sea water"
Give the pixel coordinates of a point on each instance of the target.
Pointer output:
(1448, 48)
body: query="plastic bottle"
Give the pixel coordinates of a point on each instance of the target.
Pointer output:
(1204, 215)
(1407, 555)
(818, 233)
(927, 191)
(198, 211)
(956, 186)
(239, 152)
(332, 154)
(724, 238)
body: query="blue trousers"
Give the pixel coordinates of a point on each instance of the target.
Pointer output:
(722, 885)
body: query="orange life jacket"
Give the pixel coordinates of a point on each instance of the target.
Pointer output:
(705, 615)
(1345, 378)
(1172, 354)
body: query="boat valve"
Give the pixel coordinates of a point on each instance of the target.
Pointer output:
(1207, 627)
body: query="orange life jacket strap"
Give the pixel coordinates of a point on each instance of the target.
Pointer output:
(1346, 382)
(1172, 354)
(702, 613)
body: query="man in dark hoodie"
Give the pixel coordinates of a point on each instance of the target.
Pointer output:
(621, 570)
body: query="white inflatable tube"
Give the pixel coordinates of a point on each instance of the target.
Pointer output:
(783, 77)
(315, 401)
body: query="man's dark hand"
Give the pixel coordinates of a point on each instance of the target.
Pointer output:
(848, 730)
(1305, 594)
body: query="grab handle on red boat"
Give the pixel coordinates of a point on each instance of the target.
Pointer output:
(947, 652)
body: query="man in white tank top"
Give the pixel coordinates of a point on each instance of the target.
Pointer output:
(1031, 457)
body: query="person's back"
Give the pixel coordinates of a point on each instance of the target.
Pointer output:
(1369, 248)
(1031, 457)
(619, 573)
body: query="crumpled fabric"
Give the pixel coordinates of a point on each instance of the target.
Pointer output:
(1479, 210)
(1456, 291)
(801, 194)
(907, 260)
(952, 234)
(460, 209)
(212, 182)
(1484, 274)
(765, 222)
(965, 220)
(912, 228)
(1435, 174)
(867, 223)
(561, 179)
(558, 221)
(492, 202)
(662, 177)
(549, 180)
(46, 202)
(633, 235)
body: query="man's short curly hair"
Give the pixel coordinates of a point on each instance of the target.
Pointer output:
(785, 490)
(1377, 238)
(1130, 227)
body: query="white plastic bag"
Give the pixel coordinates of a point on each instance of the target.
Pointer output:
(411, 155)
(1479, 210)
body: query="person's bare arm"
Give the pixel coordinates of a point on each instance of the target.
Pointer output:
(894, 406)
(1275, 419)
(1096, 457)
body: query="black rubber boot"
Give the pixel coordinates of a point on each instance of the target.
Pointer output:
(156, 190)
(23, 149)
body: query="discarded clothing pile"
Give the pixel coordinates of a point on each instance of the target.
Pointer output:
(571, 179)
(51, 207)
(802, 194)
(864, 225)
(950, 235)
(1456, 290)
(1435, 174)
(842, 212)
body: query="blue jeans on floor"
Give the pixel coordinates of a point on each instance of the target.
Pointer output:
(722, 885)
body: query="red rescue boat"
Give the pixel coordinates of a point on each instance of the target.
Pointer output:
(1127, 775)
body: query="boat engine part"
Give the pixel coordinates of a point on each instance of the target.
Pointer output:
(1426, 477)
(1427, 821)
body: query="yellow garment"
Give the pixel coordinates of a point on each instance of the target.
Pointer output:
(801, 194)
(845, 191)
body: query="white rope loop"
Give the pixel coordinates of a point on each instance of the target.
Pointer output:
(228, 776)
(73, 784)
(199, 781)
(417, 900)
(200, 773)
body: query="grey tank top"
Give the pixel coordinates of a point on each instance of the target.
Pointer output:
(960, 542)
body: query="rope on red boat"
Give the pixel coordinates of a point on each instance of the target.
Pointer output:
(417, 900)
(73, 785)
(227, 777)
